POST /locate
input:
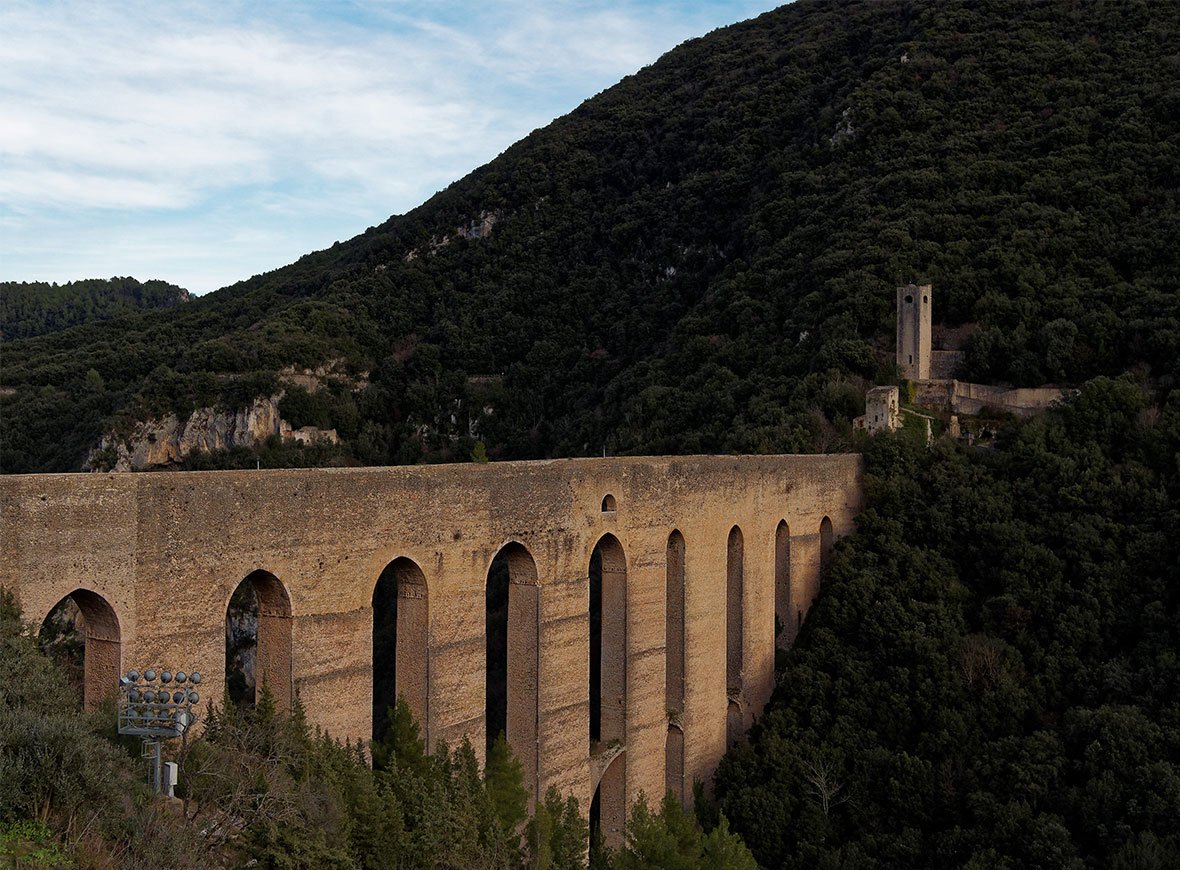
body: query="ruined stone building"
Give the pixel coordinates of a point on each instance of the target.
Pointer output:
(638, 598)
(882, 411)
(934, 371)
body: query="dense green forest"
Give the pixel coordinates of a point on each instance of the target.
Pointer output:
(702, 258)
(36, 308)
(991, 675)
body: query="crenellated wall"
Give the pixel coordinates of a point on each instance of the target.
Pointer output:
(164, 552)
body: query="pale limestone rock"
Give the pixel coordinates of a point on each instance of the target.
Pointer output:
(166, 440)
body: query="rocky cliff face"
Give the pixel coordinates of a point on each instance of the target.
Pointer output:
(168, 440)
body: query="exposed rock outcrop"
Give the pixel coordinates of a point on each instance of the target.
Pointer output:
(331, 372)
(167, 440)
(474, 229)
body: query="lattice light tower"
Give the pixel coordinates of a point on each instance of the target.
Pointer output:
(157, 705)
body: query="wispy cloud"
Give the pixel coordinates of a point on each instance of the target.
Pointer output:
(183, 126)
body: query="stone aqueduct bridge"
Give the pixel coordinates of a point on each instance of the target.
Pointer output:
(683, 562)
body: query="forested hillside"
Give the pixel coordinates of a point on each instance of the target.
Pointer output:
(35, 308)
(990, 677)
(703, 257)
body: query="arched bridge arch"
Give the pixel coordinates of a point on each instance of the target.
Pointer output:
(513, 599)
(258, 641)
(86, 618)
(401, 658)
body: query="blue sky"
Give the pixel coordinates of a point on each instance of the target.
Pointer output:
(203, 143)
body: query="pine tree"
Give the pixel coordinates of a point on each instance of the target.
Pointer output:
(652, 843)
(539, 838)
(503, 778)
(671, 840)
(375, 837)
(402, 743)
(558, 835)
(723, 850)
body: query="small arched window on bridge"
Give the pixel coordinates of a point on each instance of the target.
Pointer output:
(608, 504)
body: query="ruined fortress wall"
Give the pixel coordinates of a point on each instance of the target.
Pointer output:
(167, 550)
(963, 397)
(945, 364)
(1031, 399)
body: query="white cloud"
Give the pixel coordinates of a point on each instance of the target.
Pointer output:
(117, 117)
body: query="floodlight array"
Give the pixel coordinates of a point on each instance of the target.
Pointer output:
(157, 703)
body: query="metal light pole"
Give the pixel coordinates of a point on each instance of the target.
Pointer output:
(157, 705)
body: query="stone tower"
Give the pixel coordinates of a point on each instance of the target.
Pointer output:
(913, 331)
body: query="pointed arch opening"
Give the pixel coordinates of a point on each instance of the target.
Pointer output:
(258, 643)
(826, 540)
(784, 606)
(511, 691)
(608, 681)
(734, 628)
(608, 641)
(608, 807)
(674, 665)
(733, 720)
(81, 633)
(400, 627)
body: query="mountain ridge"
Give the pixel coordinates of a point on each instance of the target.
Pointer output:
(32, 308)
(702, 258)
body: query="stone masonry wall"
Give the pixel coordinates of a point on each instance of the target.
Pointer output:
(167, 550)
(963, 397)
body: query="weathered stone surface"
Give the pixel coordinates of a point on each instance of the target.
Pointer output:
(167, 550)
(914, 331)
(166, 440)
(963, 397)
(882, 411)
